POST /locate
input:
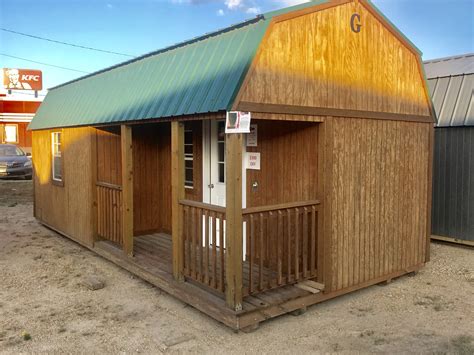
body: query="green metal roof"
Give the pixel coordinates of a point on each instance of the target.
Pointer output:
(199, 76)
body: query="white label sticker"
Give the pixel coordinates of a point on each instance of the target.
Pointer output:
(253, 161)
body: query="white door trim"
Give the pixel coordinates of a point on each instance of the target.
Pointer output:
(207, 160)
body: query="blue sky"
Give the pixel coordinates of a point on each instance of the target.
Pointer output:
(438, 27)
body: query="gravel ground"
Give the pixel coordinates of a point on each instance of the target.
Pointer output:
(45, 306)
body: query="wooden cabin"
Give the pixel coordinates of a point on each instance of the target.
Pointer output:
(134, 163)
(451, 85)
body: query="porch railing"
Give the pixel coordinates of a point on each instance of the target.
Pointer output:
(204, 243)
(281, 245)
(109, 206)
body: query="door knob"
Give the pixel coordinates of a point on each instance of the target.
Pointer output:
(211, 186)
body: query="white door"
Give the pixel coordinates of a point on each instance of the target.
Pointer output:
(214, 160)
(217, 163)
(214, 185)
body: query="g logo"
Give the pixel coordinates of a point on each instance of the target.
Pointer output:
(355, 23)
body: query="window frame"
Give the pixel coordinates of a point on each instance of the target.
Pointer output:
(17, 138)
(189, 157)
(221, 143)
(55, 180)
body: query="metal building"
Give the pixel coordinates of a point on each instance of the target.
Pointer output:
(451, 84)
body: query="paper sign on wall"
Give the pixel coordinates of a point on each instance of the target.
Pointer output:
(237, 122)
(252, 137)
(253, 161)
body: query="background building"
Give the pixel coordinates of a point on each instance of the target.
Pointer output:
(16, 113)
(19, 101)
(451, 84)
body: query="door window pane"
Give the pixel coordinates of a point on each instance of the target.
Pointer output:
(221, 151)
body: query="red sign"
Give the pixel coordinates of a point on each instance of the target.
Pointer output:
(22, 79)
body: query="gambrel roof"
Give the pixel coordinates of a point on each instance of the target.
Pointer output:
(199, 76)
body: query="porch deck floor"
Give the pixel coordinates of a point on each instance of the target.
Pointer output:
(152, 262)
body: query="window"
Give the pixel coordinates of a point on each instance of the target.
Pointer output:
(56, 155)
(188, 159)
(221, 151)
(11, 133)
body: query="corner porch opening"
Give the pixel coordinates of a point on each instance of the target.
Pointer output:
(265, 238)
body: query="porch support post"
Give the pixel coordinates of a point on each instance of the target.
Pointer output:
(233, 231)
(177, 193)
(127, 188)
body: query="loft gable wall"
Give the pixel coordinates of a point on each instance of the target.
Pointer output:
(315, 59)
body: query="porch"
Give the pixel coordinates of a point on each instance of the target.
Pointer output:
(152, 262)
(261, 248)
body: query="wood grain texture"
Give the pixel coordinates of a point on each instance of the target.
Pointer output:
(289, 163)
(315, 60)
(67, 208)
(152, 178)
(127, 188)
(177, 194)
(233, 231)
(109, 165)
(377, 198)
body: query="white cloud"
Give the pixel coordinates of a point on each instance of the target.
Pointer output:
(220, 12)
(233, 4)
(287, 3)
(253, 10)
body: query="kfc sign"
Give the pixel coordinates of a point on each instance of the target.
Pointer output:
(22, 79)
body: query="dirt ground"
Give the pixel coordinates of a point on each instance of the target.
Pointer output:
(45, 307)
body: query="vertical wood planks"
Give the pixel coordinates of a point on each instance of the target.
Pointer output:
(378, 198)
(94, 192)
(177, 193)
(127, 188)
(331, 66)
(233, 233)
(109, 217)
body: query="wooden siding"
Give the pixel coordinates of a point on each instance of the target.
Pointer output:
(316, 60)
(377, 193)
(152, 173)
(109, 165)
(285, 117)
(66, 207)
(152, 178)
(289, 163)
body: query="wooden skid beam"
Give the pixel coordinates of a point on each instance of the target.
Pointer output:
(127, 188)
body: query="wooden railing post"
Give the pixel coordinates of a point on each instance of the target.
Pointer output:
(127, 188)
(177, 194)
(233, 230)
